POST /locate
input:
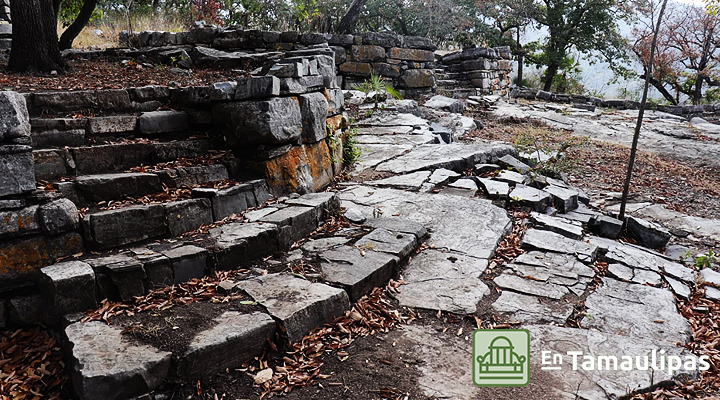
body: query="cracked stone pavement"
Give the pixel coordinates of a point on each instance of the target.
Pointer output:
(632, 310)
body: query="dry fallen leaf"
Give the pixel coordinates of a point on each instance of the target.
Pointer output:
(263, 376)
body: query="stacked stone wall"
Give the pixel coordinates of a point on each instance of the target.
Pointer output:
(487, 69)
(710, 112)
(409, 62)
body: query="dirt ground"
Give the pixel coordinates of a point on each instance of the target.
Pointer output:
(107, 74)
(600, 169)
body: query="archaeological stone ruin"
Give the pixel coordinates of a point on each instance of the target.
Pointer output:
(108, 195)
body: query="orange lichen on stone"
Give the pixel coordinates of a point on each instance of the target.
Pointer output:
(303, 169)
(24, 256)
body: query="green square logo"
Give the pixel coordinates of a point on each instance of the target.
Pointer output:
(501, 357)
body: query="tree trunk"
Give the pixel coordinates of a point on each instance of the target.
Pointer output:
(520, 53)
(349, 20)
(86, 12)
(35, 42)
(155, 5)
(550, 73)
(697, 90)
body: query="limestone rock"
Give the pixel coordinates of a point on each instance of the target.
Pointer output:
(359, 271)
(106, 366)
(275, 121)
(630, 309)
(67, 288)
(443, 281)
(297, 304)
(235, 339)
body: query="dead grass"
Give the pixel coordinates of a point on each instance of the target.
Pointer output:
(112, 26)
(599, 167)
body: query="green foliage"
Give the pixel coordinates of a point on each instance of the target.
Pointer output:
(588, 27)
(377, 85)
(351, 150)
(333, 140)
(705, 260)
(69, 10)
(533, 141)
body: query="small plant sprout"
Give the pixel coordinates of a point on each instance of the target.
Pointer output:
(376, 86)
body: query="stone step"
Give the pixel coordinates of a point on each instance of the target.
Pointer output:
(51, 164)
(105, 229)
(290, 305)
(117, 186)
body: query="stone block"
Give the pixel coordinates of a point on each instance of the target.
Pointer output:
(234, 339)
(411, 54)
(528, 196)
(113, 228)
(112, 99)
(298, 305)
(314, 111)
(163, 121)
(55, 138)
(275, 121)
(126, 276)
(417, 78)
(232, 200)
(25, 310)
(418, 42)
(304, 169)
(187, 262)
(386, 70)
(17, 173)
(19, 222)
(323, 203)
(192, 176)
(257, 87)
(356, 69)
(398, 244)
(117, 186)
(107, 366)
(648, 234)
(357, 271)
(446, 104)
(110, 158)
(336, 101)
(21, 258)
(240, 243)
(367, 53)
(58, 216)
(294, 223)
(188, 215)
(113, 124)
(67, 288)
(554, 242)
(605, 226)
(148, 93)
(381, 39)
(15, 117)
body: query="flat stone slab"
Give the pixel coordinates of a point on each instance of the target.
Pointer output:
(105, 366)
(635, 275)
(599, 384)
(531, 310)
(469, 226)
(698, 226)
(396, 243)
(374, 154)
(636, 257)
(565, 227)
(494, 189)
(394, 120)
(528, 196)
(297, 304)
(455, 156)
(551, 241)
(412, 181)
(323, 244)
(240, 242)
(629, 309)
(235, 339)
(358, 270)
(551, 275)
(443, 281)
